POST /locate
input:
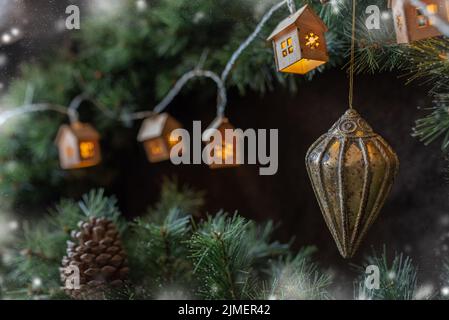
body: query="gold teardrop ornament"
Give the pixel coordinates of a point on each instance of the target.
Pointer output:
(352, 170)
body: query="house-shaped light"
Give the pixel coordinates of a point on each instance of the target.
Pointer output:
(78, 146)
(224, 154)
(299, 43)
(411, 24)
(155, 134)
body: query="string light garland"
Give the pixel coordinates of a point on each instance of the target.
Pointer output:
(198, 72)
(5, 116)
(182, 81)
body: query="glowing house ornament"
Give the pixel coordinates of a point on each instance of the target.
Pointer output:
(224, 152)
(299, 43)
(78, 145)
(411, 24)
(155, 135)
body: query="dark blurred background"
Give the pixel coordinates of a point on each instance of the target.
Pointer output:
(414, 219)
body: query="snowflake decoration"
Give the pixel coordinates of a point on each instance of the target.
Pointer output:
(399, 22)
(312, 40)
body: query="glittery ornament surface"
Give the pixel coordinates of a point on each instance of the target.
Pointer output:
(352, 171)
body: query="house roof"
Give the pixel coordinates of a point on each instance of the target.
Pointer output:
(82, 131)
(218, 121)
(293, 18)
(152, 127)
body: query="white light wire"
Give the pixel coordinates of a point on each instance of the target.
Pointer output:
(72, 110)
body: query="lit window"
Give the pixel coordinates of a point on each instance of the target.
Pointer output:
(155, 147)
(432, 8)
(87, 149)
(287, 47)
(421, 19)
(224, 151)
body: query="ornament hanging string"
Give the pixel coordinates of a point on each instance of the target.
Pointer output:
(352, 62)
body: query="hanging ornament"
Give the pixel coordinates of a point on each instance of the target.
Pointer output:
(221, 151)
(299, 43)
(352, 170)
(78, 146)
(101, 262)
(155, 134)
(410, 22)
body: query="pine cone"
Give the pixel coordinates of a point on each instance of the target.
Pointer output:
(98, 253)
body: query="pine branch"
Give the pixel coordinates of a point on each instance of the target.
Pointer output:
(398, 279)
(220, 257)
(298, 278)
(230, 254)
(435, 124)
(96, 204)
(116, 65)
(43, 244)
(158, 254)
(174, 195)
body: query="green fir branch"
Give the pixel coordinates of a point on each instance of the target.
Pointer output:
(397, 278)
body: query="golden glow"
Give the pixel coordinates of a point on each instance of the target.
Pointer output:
(303, 66)
(87, 149)
(432, 8)
(287, 46)
(172, 141)
(312, 40)
(155, 147)
(69, 152)
(225, 151)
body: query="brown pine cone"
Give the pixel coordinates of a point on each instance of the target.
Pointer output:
(97, 251)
